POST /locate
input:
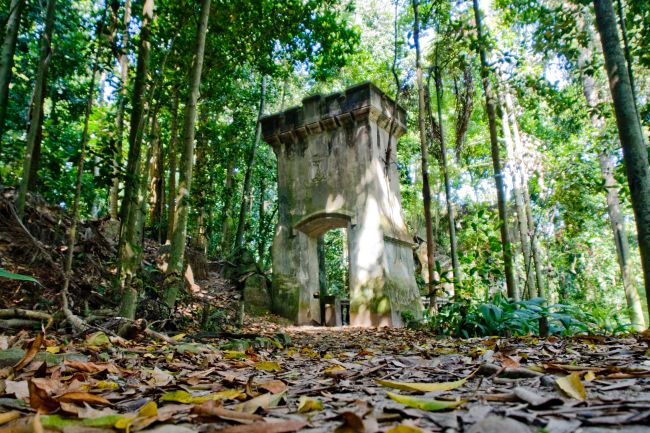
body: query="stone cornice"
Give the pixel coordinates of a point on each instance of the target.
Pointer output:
(318, 113)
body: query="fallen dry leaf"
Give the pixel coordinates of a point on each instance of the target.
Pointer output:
(572, 386)
(31, 352)
(284, 426)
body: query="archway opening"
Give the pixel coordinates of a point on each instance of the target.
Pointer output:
(334, 277)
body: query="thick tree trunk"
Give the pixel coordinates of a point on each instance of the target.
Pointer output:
(426, 188)
(37, 110)
(530, 290)
(453, 242)
(7, 58)
(119, 118)
(174, 279)
(173, 169)
(130, 234)
(635, 151)
(246, 191)
(490, 104)
(607, 169)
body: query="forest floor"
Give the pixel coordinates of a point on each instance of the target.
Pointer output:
(270, 377)
(276, 378)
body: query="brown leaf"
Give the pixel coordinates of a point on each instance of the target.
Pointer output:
(39, 397)
(352, 423)
(284, 426)
(91, 367)
(216, 409)
(83, 397)
(31, 351)
(273, 386)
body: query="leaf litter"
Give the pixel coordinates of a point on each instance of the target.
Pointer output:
(327, 380)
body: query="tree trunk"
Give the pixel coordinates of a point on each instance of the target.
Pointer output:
(607, 169)
(246, 191)
(37, 111)
(7, 58)
(80, 167)
(174, 279)
(626, 50)
(453, 242)
(157, 184)
(124, 76)
(173, 158)
(226, 220)
(490, 104)
(130, 234)
(137, 113)
(426, 188)
(635, 151)
(522, 221)
(261, 221)
(521, 179)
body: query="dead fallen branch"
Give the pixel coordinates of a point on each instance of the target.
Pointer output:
(19, 313)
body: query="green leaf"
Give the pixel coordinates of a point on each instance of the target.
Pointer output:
(425, 403)
(10, 275)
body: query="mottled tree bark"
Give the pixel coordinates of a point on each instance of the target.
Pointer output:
(130, 234)
(635, 151)
(607, 169)
(490, 104)
(173, 280)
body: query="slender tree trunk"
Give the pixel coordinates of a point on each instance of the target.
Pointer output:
(522, 221)
(607, 169)
(261, 221)
(130, 234)
(426, 188)
(137, 113)
(174, 279)
(635, 151)
(173, 158)
(157, 184)
(37, 111)
(226, 220)
(246, 191)
(124, 76)
(7, 58)
(521, 179)
(80, 167)
(453, 242)
(490, 104)
(36, 154)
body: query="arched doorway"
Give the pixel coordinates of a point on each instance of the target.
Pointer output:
(332, 173)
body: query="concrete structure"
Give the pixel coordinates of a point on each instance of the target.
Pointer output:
(331, 155)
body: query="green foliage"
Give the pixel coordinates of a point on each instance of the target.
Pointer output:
(500, 316)
(20, 277)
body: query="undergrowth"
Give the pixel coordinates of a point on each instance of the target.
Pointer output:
(501, 316)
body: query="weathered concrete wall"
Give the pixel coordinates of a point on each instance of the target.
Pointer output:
(331, 173)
